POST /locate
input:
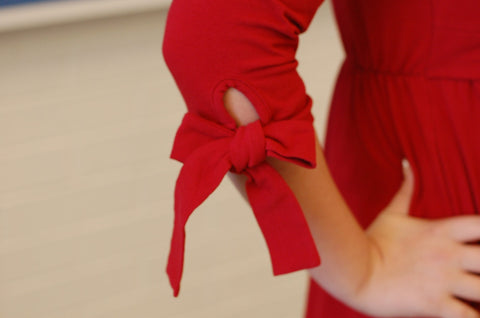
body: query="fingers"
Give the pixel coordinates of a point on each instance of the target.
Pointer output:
(467, 286)
(400, 203)
(464, 228)
(470, 259)
(454, 308)
(407, 172)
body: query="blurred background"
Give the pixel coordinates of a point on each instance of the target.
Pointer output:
(88, 112)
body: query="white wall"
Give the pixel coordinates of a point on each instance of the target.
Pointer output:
(40, 14)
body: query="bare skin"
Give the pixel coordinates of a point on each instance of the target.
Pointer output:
(401, 265)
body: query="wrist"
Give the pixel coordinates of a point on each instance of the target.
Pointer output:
(345, 272)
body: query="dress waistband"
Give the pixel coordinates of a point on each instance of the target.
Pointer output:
(459, 61)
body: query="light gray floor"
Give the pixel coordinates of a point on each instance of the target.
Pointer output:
(88, 112)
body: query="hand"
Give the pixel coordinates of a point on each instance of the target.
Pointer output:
(420, 267)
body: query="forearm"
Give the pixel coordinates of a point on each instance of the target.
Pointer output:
(341, 242)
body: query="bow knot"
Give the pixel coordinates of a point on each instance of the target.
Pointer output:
(247, 148)
(209, 150)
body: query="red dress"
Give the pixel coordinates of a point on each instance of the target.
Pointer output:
(408, 88)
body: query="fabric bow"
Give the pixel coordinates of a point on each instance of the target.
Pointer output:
(209, 150)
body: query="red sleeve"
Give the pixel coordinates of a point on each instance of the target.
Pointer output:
(210, 46)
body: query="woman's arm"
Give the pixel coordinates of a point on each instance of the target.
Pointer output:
(338, 236)
(401, 266)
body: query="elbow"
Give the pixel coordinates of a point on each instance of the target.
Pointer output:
(188, 33)
(179, 39)
(239, 107)
(171, 46)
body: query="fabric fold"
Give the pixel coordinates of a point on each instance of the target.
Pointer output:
(209, 150)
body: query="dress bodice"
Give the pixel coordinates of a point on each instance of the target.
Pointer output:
(433, 38)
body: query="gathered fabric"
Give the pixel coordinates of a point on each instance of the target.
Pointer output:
(210, 47)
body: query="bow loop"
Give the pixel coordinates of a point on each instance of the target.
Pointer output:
(247, 148)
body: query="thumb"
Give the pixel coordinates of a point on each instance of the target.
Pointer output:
(400, 203)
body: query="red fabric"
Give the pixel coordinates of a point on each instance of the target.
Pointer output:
(209, 150)
(408, 88)
(209, 47)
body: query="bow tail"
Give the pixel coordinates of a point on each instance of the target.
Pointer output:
(176, 256)
(281, 220)
(199, 177)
